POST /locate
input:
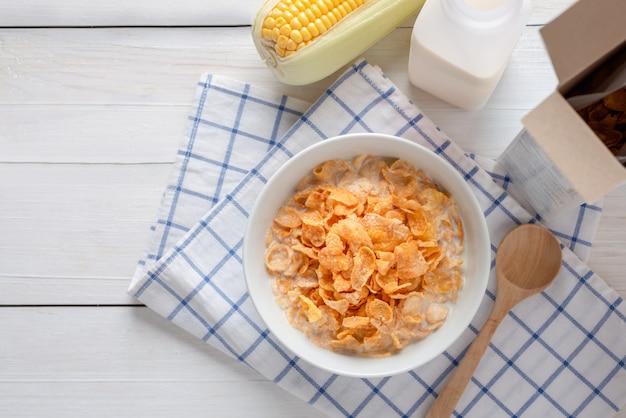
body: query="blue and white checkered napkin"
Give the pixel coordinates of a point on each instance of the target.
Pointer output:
(560, 353)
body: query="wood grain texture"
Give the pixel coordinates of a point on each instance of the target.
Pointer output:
(121, 86)
(72, 233)
(124, 362)
(94, 98)
(85, 13)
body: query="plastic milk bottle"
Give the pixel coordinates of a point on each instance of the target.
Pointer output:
(460, 48)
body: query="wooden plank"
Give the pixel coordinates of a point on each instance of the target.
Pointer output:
(82, 13)
(95, 133)
(153, 66)
(72, 233)
(134, 86)
(54, 364)
(89, 123)
(148, 66)
(126, 13)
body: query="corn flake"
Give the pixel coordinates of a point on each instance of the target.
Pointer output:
(365, 255)
(607, 118)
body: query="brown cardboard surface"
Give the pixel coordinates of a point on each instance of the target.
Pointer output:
(579, 42)
(574, 148)
(582, 37)
(558, 161)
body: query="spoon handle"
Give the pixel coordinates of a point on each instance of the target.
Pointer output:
(446, 401)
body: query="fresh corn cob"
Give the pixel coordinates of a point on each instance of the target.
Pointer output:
(303, 41)
(291, 25)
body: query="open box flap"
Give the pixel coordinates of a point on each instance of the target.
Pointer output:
(582, 37)
(574, 148)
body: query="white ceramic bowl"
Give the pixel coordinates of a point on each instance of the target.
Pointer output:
(477, 254)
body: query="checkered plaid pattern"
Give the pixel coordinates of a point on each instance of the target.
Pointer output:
(560, 353)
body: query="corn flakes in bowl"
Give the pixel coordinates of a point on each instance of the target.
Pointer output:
(366, 255)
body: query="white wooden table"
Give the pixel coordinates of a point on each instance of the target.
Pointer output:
(93, 103)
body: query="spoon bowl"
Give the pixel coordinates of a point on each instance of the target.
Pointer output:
(528, 260)
(528, 257)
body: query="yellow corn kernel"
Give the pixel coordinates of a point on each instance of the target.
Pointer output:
(286, 33)
(323, 7)
(306, 35)
(304, 19)
(291, 24)
(310, 13)
(266, 33)
(285, 30)
(269, 22)
(291, 45)
(296, 36)
(326, 21)
(313, 30)
(331, 17)
(337, 13)
(275, 34)
(282, 42)
(280, 21)
(295, 23)
(280, 6)
(320, 26)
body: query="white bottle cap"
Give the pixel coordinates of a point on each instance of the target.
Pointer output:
(482, 13)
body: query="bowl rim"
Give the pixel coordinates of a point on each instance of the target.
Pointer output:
(273, 316)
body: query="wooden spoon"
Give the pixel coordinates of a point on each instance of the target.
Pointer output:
(527, 261)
